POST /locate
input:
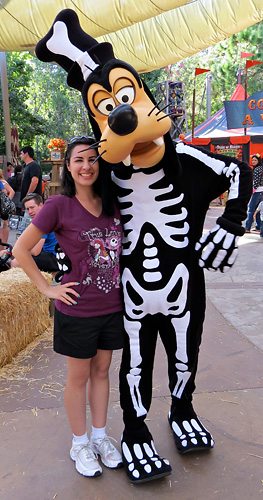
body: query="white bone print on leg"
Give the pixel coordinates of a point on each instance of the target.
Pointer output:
(180, 326)
(133, 377)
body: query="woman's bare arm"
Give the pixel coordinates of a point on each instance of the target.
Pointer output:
(9, 190)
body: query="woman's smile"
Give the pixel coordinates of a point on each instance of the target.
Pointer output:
(83, 165)
(86, 174)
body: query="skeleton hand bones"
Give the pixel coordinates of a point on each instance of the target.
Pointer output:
(217, 249)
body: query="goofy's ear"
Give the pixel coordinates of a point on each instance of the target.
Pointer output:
(74, 50)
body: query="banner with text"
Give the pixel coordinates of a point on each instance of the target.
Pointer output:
(242, 114)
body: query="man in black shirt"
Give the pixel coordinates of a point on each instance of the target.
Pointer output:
(32, 176)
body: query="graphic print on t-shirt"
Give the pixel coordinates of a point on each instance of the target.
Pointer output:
(102, 261)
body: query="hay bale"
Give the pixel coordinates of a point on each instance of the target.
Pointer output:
(24, 312)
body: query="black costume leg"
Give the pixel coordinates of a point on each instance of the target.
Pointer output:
(188, 431)
(140, 458)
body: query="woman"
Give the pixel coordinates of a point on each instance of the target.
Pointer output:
(15, 183)
(257, 195)
(4, 231)
(88, 316)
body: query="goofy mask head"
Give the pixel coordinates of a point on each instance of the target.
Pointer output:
(122, 112)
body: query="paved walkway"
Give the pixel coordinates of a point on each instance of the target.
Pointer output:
(35, 437)
(238, 293)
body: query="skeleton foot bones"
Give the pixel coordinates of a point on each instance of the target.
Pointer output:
(140, 458)
(189, 432)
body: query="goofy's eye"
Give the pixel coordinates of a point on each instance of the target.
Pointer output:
(106, 106)
(125, 95)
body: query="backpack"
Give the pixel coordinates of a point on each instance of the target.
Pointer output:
(15, 182)
(7, 206)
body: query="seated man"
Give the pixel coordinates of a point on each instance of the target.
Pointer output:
(43, 252)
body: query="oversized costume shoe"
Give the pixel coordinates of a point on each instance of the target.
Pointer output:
(140, 458)
(188, 431)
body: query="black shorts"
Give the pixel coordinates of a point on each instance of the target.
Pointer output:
(81, 337)
(46, 261)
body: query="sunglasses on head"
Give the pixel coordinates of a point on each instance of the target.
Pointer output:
(31, 195)
(80, 137)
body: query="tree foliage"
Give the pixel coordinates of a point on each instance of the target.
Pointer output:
(41, 104)
(60, 106)
(20, 75)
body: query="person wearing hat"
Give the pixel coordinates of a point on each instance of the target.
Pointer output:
(257, 195)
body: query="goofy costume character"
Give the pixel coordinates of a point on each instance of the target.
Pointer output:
(164, 193)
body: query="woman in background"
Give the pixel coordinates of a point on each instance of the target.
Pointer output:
(15, 183)
(4, 229)
(257, 195)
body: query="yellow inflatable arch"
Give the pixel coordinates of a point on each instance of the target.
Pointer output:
(149, 34)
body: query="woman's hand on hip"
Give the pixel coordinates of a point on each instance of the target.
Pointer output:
(64, 293)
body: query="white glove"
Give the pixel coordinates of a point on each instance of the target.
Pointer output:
(217, 249)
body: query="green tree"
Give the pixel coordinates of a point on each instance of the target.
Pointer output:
(41, 104)
(60, 106)
(19, 76)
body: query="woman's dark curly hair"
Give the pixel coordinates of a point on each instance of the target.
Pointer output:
(259, 159)
(102, 185)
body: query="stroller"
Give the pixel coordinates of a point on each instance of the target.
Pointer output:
(4, 265)
(18, 223)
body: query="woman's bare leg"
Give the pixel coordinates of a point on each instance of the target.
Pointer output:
(5, 232)
(75, 393)
(98, 387)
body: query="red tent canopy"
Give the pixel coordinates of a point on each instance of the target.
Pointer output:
(216, 125)
(215, 136)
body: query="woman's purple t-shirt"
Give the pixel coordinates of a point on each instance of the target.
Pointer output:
(93, 245)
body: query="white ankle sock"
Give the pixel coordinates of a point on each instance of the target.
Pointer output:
(97, 433)
(80, 439)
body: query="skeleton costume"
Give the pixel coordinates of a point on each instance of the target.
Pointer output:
(164, 194)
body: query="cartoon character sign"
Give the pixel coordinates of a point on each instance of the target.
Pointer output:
(164, 193)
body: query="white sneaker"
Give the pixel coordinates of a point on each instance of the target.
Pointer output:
(86, 460)
(109, 455)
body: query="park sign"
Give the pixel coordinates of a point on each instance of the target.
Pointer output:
(248, 113)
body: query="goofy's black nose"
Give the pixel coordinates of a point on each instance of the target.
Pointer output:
(123, 119)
